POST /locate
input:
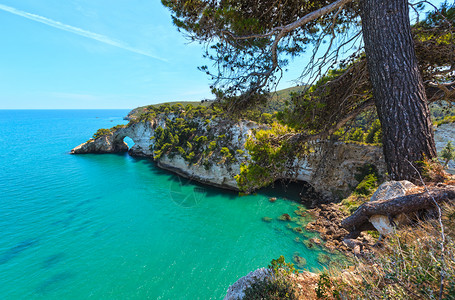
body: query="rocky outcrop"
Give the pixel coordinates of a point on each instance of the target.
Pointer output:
(305, 282)
(140, 133)
(389, 190)
(218, 173)
(333, 167)
(103, 144)
(237, 289)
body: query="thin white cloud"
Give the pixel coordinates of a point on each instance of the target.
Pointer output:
(91, 35)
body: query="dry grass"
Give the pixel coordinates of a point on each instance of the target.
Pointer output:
(408, 266)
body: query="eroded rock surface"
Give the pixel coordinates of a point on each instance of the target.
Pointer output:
(306, 283)
(237, 289)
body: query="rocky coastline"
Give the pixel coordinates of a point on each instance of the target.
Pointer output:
(331, 174)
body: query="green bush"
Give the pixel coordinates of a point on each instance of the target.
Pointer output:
(101, 132)
(367, 185)
(117, 127)
(448, 153)
(275, 287)
(357, 135)
(374, 134)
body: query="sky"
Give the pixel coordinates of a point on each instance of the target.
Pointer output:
(97, 54)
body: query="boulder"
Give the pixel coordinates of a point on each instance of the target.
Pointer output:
(389, 190)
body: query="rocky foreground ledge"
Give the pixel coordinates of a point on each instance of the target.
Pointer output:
(329, 221)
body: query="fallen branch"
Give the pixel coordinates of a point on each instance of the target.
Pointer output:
(359, 220)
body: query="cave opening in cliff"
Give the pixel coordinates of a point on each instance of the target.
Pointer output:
(295, 190)
(129, 142)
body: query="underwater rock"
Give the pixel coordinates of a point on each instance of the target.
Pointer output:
(285, 217)
(323, 258)
(266, 219)
(316, 241)
(298, 229)
(299, 261)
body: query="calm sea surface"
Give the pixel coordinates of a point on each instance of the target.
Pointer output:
(116, 227)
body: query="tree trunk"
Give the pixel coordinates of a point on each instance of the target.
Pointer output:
(398, 88)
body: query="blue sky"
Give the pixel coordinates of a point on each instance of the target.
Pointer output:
(94, 54)
(64, 54)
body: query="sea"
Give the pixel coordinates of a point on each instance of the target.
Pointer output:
(112, 226)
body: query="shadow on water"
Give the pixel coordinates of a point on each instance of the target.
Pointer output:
(54, 282)
(289, 190)
(18, 249)
(53, 260)
(99, 232)
(286, 190)
(293, 191)
(73, 212)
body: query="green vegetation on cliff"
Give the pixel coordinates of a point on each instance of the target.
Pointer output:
(196, 133)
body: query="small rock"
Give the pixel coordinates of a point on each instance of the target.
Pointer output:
(272, 199)
(299, 261)
(389, 190)
(266, 219)
(298, 229)
(285, 217)
(308, 244)
(316, 241)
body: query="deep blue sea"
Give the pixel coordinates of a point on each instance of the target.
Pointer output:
(115, 227)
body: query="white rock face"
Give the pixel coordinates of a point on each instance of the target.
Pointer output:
(141, 133)
(389, 190)
(330, 172)
(103, 144)
(217, 175)
(237, 290)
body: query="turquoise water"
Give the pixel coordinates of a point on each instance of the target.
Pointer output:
(117, 227)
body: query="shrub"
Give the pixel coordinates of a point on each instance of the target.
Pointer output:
(448, 153)
(374, 134)
(357, 135)
(367, 185)
(101, 132)
(275, 287)
(446, 120)
(117, 127)
(431, 170)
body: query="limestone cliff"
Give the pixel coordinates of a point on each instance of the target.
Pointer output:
(217, 150)
(218, 158)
